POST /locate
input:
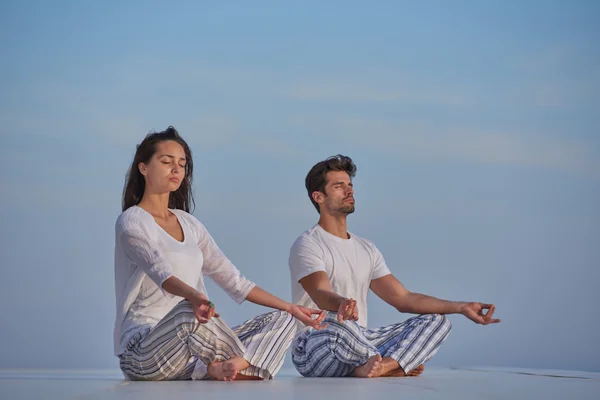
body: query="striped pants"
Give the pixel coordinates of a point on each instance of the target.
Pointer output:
(179, 347)
(336, 350)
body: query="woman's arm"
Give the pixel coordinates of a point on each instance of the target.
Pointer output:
(203, 308)
(147, 255)
(302, 314)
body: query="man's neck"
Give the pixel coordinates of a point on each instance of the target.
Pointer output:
(335, 224)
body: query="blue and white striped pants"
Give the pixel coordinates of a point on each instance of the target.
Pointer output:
(180, 348)
(336, 350)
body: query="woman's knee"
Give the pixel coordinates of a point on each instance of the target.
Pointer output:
(282, 315)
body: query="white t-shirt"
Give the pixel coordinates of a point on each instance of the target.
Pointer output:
(146, 255)
(350, 264)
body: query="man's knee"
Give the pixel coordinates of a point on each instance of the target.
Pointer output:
(334, 324)
(442, 321)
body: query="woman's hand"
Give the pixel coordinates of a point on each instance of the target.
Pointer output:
(204, 309)
(304, 315)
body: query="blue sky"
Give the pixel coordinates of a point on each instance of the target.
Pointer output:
(474, 126)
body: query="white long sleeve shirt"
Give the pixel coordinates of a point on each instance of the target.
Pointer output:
(146, 255)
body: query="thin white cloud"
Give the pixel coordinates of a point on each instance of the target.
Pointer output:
(421, 140)
(393, 89)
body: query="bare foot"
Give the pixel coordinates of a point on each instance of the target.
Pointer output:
(399, 372)
(222, 370)
(228, 369)
(370, 369)
(417, 371)
(242, 377)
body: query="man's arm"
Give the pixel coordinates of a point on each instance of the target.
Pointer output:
(319, 289)
(393, 292)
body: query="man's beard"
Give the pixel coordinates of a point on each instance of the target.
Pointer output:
(342, 207)
(346, 208)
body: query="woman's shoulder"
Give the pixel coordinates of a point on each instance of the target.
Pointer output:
(189, 218)
(134, 218)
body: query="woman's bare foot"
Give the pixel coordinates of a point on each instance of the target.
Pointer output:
(242, 377)
(399, 372)
(222, 370)
(228, 369)
(370, 369)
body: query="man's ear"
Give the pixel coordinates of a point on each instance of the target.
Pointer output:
(318, 197)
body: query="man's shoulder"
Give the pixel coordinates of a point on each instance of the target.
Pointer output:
(307, 238)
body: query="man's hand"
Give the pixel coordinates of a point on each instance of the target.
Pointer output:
(304, 315)
(474, 311)
(348, 310)
(204, 309)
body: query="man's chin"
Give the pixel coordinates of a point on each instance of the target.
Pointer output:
(348, 210)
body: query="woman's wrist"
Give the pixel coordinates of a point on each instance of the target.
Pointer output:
(197, 297)
(288, 307)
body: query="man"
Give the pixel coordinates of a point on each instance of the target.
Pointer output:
(333, 270)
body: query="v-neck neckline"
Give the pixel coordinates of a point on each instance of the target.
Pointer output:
(181, 225)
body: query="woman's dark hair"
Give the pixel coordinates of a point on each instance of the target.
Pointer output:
(316, 180)
(135, 184)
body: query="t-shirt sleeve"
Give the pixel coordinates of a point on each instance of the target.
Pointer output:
(218, 267)
(380, 269)
(145, 254)
(306, 257)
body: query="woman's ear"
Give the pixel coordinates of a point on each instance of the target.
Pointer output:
(142, 168)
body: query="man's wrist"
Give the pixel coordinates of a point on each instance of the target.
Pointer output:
(459, 307)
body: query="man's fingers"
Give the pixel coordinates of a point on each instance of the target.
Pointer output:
(490, 309)
(355, 313)
(491, 321)
(488, 315)
(321, 316)
(319, 327)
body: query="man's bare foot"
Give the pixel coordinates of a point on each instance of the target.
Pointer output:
(399, 372)
(228, 369)
(370, 369)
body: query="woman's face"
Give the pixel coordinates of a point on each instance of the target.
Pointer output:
(166, 169)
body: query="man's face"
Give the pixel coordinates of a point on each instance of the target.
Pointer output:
(339, 194)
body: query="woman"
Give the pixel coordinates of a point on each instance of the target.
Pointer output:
(166, 328)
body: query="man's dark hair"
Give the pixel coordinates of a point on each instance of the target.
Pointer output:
(317, 177)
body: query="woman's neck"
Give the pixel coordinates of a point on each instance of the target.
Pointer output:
(156, 204)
